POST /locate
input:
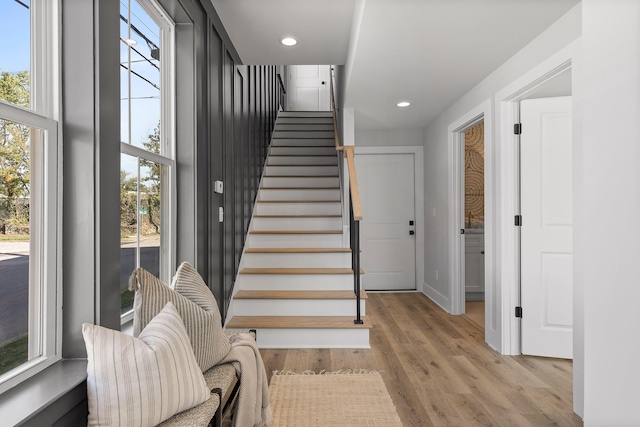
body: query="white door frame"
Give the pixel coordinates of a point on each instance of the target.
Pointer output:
(508, 250)
(456, 130)
(418, 168)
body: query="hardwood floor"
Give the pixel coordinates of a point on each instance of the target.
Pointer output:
(439, 371)
(474, 310)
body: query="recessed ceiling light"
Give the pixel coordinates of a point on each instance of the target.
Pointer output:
(289, 41)
(403, 104)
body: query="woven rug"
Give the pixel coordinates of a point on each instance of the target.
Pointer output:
(343, 399)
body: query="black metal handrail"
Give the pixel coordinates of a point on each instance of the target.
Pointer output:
(355, 209)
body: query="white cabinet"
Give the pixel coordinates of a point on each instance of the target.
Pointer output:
(474, 266)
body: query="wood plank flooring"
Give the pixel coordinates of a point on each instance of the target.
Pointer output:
(440, 372)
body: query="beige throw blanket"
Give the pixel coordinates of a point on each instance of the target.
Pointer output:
(252, 409)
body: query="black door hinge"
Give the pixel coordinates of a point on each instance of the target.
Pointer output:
(518, 220)
(517, 128)
(519, 312)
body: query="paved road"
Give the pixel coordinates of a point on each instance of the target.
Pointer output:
(14, 282)
(14, 296)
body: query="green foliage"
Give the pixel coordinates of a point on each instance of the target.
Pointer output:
(128, 201)
(14, 154)
(151, 182)
(149, 192)
(15, 88)
(13, 354)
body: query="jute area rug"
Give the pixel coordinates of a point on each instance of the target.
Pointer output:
(343, 399)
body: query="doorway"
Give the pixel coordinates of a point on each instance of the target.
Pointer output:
(386, 184)
(546, 232)
(551, 79)
(390, 181)
(309, 88)
(473, 237)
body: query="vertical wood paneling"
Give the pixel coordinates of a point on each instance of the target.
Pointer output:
(243, 112)
(216, 163)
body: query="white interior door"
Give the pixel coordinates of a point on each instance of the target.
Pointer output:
(309, 88)
(547, 227)
(386, 184)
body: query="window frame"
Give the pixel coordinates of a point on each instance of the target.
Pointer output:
(45, 251)
(168, 196)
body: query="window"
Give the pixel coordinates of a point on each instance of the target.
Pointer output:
(147, 154)
(30, 196)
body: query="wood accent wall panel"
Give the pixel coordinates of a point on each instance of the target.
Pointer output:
(474, 172)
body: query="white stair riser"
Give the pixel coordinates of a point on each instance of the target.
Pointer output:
(296, 282)
(328, 181)
(307, 142)
(313, 338)
(303, 134)
(302, 170)
(297, 260)
(297, 223)
(294, 240)
(322, 208)
(297, 307)
(302, 150)
(302, 194)
(305, 120)
(302, 160)
(295, 114)
(305, 127)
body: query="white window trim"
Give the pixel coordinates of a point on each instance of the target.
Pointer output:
(167, 129)
(45, 284)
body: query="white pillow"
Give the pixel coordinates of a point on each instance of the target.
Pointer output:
(142, 381)
(195, 303)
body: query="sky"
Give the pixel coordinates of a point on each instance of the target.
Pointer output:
(145, 103)
(14, 27)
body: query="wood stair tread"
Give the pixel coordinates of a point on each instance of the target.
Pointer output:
(298, 271)
(301, 176)
(316, 295)
(300, 188)
(298, 216)
(297, 322)
(306, 165)
(303, 137)
(297, 250)
(298, 201)
(295, 232)
(304, 155)
(303, 146)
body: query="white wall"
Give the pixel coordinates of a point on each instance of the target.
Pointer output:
(386, 137)
(611, 153)
(557, 36)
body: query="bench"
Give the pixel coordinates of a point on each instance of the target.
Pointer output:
(224, 384)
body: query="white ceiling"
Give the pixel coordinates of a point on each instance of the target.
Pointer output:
(430, 52)
(322, 28)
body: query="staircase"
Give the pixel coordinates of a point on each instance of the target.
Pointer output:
(295, 284)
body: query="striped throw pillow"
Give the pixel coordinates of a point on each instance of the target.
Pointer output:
(196, 305)
(142, 381)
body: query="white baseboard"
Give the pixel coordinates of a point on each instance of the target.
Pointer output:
(435, 296)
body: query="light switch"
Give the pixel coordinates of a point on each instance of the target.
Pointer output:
(218, 187)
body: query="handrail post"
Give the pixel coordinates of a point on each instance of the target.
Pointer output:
(354, 219)
(355, 260)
